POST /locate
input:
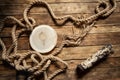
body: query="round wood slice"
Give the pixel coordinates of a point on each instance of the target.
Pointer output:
(43, 38)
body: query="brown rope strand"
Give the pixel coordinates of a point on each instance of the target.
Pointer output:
(42, 63)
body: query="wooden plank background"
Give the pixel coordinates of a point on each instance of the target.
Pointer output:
(106, 32)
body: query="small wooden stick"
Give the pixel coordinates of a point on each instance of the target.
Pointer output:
(105, 51)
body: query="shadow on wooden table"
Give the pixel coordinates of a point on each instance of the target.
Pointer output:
(87, 71)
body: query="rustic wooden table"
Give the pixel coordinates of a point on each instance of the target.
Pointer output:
(106, 32)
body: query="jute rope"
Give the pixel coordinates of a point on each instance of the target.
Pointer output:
(39, 63)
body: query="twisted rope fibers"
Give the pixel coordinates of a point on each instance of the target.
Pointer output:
(42, 63)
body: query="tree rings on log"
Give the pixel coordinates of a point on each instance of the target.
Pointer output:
(43, 38)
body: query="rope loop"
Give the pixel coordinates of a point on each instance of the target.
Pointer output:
(36, 63)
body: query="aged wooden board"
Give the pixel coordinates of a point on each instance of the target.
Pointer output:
(106, 32)
(49, 1)
(46, 18)
(61, 8)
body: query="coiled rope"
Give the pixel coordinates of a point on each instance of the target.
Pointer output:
(39, 64)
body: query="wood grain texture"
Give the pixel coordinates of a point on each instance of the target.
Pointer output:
(106, 31)
(62, 8)
(49, 1)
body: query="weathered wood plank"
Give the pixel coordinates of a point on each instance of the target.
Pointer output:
(99, 74)
(46, 18)
(104, 73)
(23, 43)
(49, 1)
(81, 53)
(7, 73)
(84, 52)
(56, 7)
(97, 36)
(104, 70)
(68, 29)
(90, 39)
(107, 31)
